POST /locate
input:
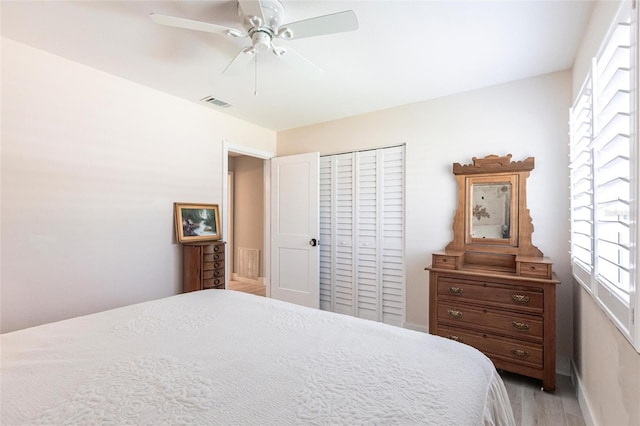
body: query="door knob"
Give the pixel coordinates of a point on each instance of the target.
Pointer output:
(313, 242)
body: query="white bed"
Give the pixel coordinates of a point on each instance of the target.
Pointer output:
(222, 357)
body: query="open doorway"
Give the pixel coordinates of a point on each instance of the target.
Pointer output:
(290, 200)
(246, 223)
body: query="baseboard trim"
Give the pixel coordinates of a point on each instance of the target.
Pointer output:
(582, 398)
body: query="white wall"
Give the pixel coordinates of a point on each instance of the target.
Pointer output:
(607, 366)
(524, 118)
(91, 166)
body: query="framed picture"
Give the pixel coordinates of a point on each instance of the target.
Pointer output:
(197, 222)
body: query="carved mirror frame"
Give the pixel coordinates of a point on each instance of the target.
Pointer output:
(494, 169)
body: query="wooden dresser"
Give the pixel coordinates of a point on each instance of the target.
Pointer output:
(491, 288)
(510, 317)
(203, 265)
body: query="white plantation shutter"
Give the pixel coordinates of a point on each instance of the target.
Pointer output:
(604, 176)
(581, 178)
(362, 234)
(612, 170)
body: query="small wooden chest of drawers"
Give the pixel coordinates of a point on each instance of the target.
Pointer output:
(510, 318)
(203, 266)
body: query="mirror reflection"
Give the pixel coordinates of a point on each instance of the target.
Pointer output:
(490, 210)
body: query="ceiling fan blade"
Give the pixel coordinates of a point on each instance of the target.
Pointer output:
(190, 24)
(320, 25)
(240, 62)
(252, 8)
(299, 62)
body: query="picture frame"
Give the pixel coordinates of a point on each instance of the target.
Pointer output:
(196, 222)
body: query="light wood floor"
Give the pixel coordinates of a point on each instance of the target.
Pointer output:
(257, 289)
(531, 406)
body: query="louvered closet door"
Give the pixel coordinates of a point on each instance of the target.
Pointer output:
(368, 235)
(326, 240)
(362, 234)
(336, 233)
(392, 244)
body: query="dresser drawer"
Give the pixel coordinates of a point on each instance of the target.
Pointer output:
(534, 267)
(501, 322)
(213, 283)
(206, 266)
(213, 248)
(444, 262)
(535, 270)
(213, 257)
(213, 273)
(528, 299)
(514, 351)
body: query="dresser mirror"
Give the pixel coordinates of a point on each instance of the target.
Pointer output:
(490, 210)
(492, 222)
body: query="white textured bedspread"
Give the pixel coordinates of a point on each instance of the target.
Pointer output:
(220, 357)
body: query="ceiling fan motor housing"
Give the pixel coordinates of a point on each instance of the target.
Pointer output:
(261, 40)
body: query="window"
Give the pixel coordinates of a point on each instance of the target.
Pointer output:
(603, 174)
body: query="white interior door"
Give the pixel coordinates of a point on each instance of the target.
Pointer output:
(295, 228)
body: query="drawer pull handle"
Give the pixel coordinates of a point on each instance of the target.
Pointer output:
(455, 290)
(454, 314)
(520, 325)
(455, 338)
(520, 299)
(520, 353)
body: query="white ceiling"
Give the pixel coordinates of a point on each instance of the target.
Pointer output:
(403, 52)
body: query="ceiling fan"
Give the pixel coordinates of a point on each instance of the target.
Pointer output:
(262, 23)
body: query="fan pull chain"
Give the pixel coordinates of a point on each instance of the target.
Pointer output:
(255, 83)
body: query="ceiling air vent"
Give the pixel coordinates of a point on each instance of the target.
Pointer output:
(216, 102)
